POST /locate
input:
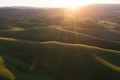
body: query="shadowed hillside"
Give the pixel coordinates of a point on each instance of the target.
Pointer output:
(66, 61)
(103, 34)
(19, 67)
(58, 34)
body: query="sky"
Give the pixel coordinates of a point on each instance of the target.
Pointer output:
(54, 3)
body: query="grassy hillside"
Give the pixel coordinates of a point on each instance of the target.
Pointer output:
(5, 74)
(19, 67)
(103, 34)
(58, 34)
(61, 60)
(42, 44)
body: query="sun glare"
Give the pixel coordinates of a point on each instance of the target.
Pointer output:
(72, 4)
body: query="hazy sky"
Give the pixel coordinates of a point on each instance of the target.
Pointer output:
(53, 3)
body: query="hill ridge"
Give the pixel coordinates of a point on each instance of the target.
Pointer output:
(55, 42)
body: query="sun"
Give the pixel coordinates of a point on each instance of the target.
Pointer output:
(72, 4)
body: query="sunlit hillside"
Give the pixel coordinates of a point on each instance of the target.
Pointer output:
(72, 43)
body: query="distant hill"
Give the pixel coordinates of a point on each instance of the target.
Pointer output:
(32, 12)
(29, 12)
(99, 11)
(18, 7)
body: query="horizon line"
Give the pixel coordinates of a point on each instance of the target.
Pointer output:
(59, 6)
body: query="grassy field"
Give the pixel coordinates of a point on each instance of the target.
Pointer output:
(104, 34)
(62, 61)
(61, 35)
(60, 44)
(5, 74)
(18, 67)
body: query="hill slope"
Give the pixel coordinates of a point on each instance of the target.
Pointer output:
(5, 74)
(58, 34)
(66, 61)
(103, 34)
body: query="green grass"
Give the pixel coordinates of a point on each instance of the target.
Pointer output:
(14, 29)
(102, 34)
(4, 72)
(54, 53)
(114, 67)
(14, 63)
(61, 35)
(60, 60)
(109, 25)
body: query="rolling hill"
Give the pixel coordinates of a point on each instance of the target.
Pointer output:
(61, 35)
(63, 61)
(59, 44)
(103, 34)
